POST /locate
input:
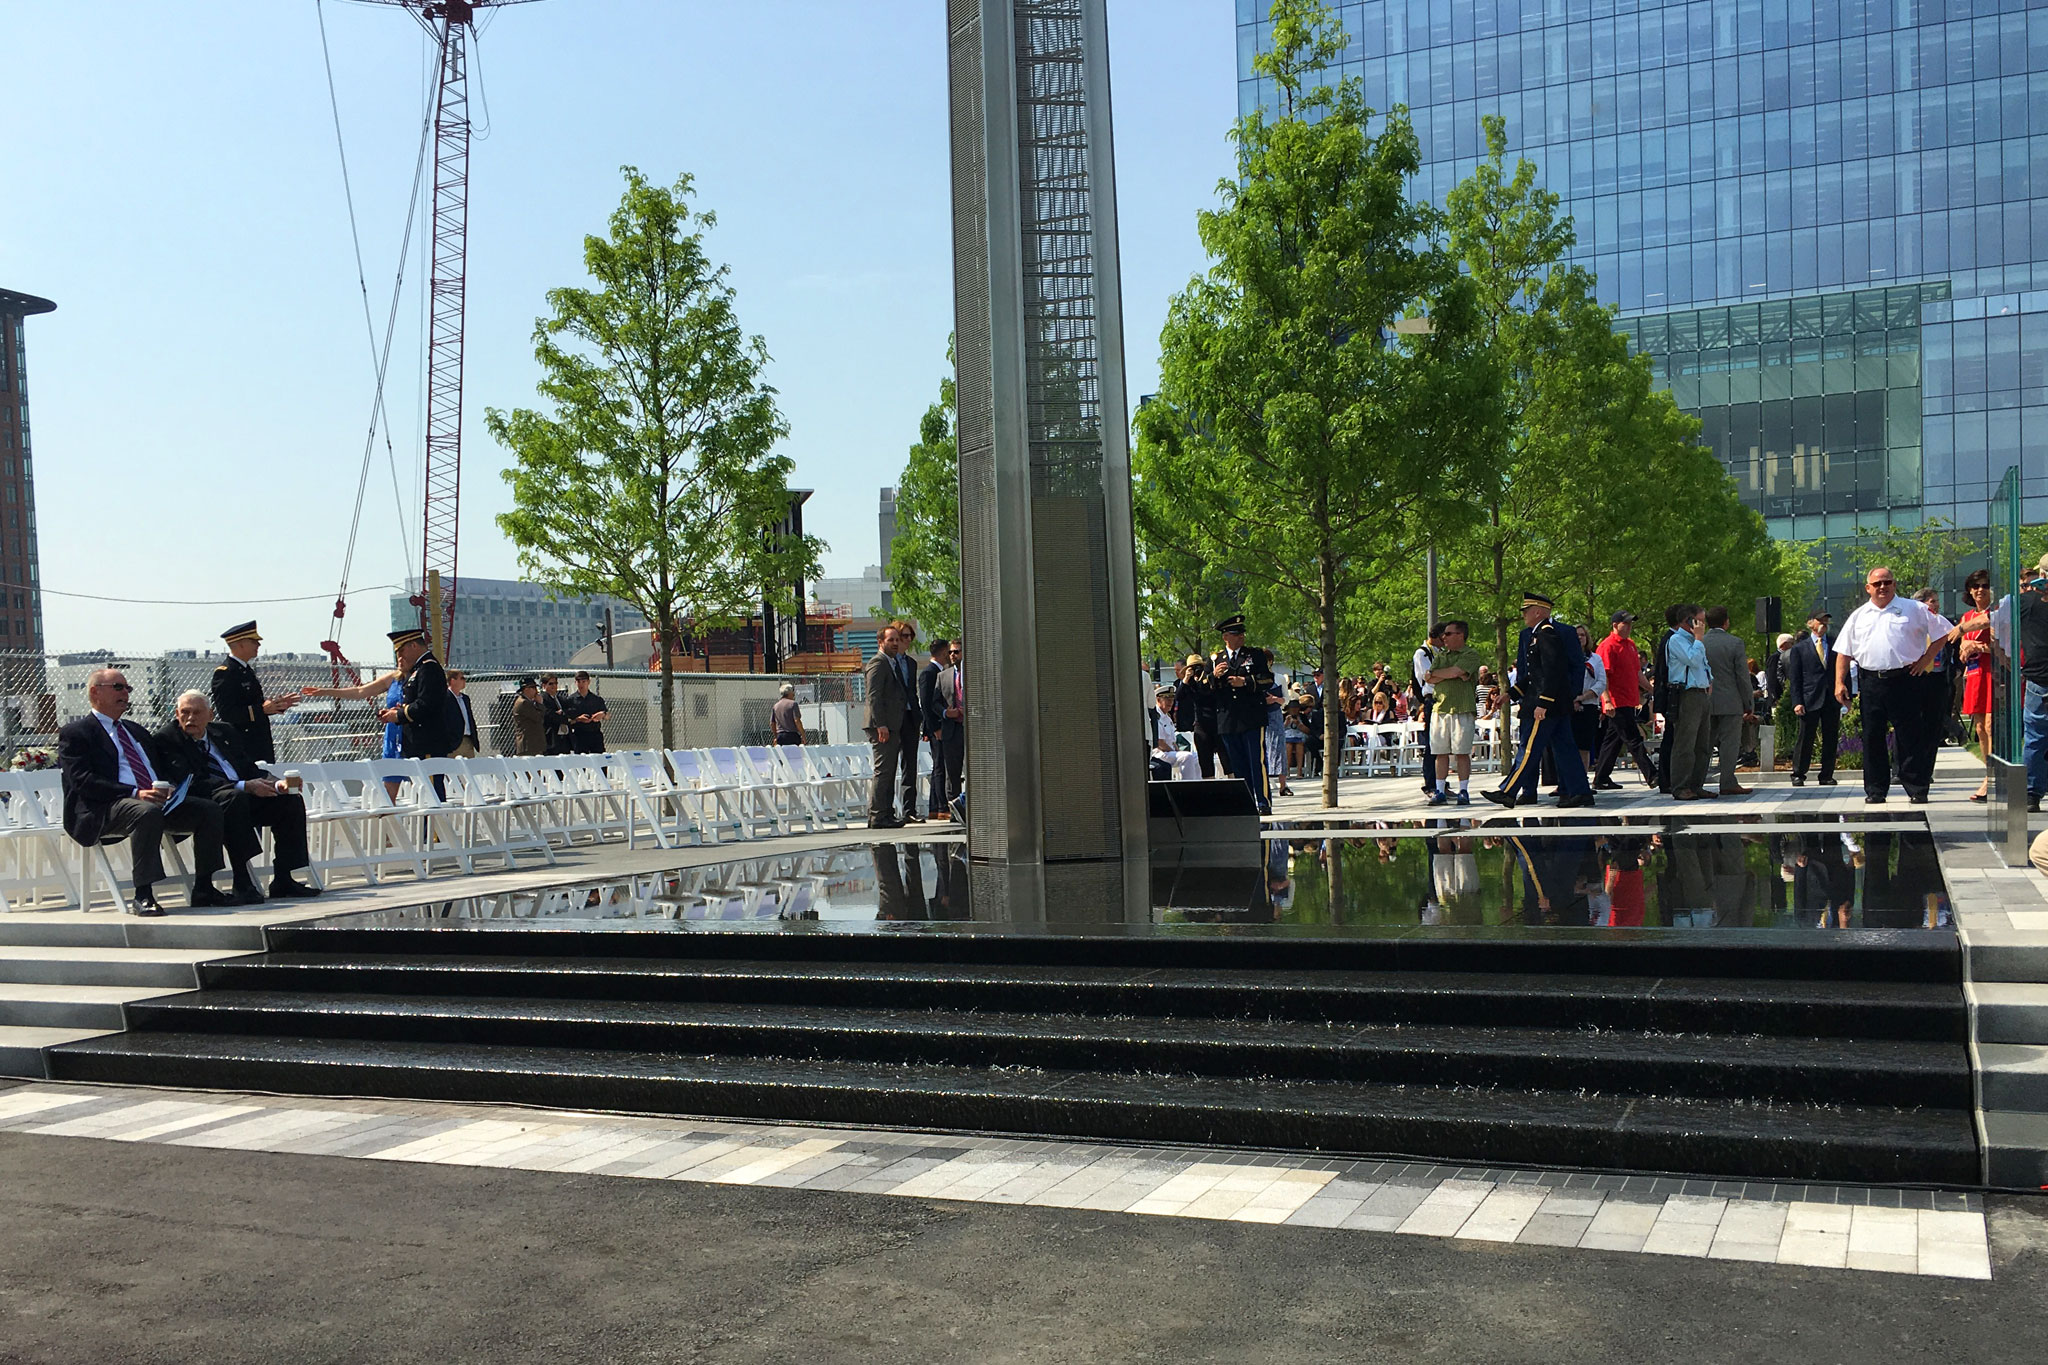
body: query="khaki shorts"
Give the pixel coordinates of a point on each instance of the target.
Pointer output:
(1450, 732)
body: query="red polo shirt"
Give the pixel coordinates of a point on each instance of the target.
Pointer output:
(1624, 670)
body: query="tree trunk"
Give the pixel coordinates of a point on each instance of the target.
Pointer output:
(1333, 718)
(668, 684)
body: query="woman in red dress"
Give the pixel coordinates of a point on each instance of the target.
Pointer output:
(1974, 649)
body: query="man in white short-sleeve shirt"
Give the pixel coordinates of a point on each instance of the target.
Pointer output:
(1892, 641)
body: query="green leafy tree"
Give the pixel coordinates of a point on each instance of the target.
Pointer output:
(924, 558)
(1920, 556)
(653, 476)
(1593, 485)
(1296, 434)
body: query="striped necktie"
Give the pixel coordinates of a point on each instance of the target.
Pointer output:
(137, 764)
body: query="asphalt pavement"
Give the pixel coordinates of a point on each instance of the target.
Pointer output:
(142, 1252)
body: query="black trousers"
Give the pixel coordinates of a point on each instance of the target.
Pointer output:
(906, 754)
(242, 815)
(948, 757)
(1894, 701)
(142, 824)
(1246, 752)
(1667, 705)
(1937, 697)
(1428, 759)
(1205, 751)
(1623, 732)
(1825, 722)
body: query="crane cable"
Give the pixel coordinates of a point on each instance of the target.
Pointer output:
(380, 357)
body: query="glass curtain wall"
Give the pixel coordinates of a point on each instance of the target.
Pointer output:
(1716, 155)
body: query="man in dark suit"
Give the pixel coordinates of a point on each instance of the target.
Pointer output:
(947, 719)
(115, 788)
(471, 744)
(238, 694)
(929, 717)
(888, 699)
(429, 724)
(554, 722)
(1810, 678)
(913, 720)
(196, 745)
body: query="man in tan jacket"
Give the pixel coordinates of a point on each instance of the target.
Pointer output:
(888, 701)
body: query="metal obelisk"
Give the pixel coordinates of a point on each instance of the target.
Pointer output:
(1056, 750)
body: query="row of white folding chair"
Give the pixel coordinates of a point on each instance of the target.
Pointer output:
(41, 865)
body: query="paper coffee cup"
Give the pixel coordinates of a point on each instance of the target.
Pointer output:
(161, 788)
(292, 781)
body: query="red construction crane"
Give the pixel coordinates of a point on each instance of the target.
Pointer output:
(452, 25)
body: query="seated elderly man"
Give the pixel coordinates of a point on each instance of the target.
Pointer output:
(211, 753)
(116, 786)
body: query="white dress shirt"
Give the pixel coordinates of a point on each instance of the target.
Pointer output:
(1421, 666)
(124, 769)
(1896, 636)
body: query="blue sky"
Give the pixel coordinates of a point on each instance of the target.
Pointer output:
(201, 396)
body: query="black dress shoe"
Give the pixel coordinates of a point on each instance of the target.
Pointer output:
(885, 822)
(206, 898)
(1606, 784)
(1829, 782)
(1502, 799)
(1873, 800)
(1570, 802)
(913, 819)
(285, 888)
(1917, 798)
(1798, 781)
(245, 893)
(145, 905)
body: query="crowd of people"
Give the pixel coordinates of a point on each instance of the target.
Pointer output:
(907, 706)
(1684, 710)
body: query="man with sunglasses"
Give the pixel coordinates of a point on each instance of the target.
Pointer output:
(1893, 641)
(115, 788)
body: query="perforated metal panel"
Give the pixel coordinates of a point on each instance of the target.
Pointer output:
(1050, 613)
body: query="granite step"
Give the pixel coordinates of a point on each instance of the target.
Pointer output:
(1723, 1138)
(23, 1049)
(1814, 1070)
(1836, 1008)
(35, 1005)
(2011, 1011)
(169, 968)
(1775, 954)
(2014, 1077)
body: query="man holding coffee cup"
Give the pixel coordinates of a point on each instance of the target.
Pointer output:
(114, 788)
(211, 754)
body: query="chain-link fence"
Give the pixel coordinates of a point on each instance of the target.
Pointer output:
(39, 693)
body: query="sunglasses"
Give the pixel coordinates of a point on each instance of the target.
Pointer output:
(117, 687)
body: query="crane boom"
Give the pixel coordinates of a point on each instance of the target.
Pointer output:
(442, 500)
(452, 24)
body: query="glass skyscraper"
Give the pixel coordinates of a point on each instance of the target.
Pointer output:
(1826, 221)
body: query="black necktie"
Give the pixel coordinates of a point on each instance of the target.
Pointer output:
(209, 764)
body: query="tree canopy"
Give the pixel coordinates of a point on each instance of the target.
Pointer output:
(924, 558)
(1296, 434)
(653, 475)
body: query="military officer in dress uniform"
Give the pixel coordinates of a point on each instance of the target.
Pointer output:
(238, 695)
(1548, 682)
(429, 724)
(1241, 677)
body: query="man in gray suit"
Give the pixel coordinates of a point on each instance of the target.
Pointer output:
(1733, 696)
(889, 698)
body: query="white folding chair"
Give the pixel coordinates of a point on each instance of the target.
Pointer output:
(350, 799)
(717, 806)
(35, 853)
(756, 801)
